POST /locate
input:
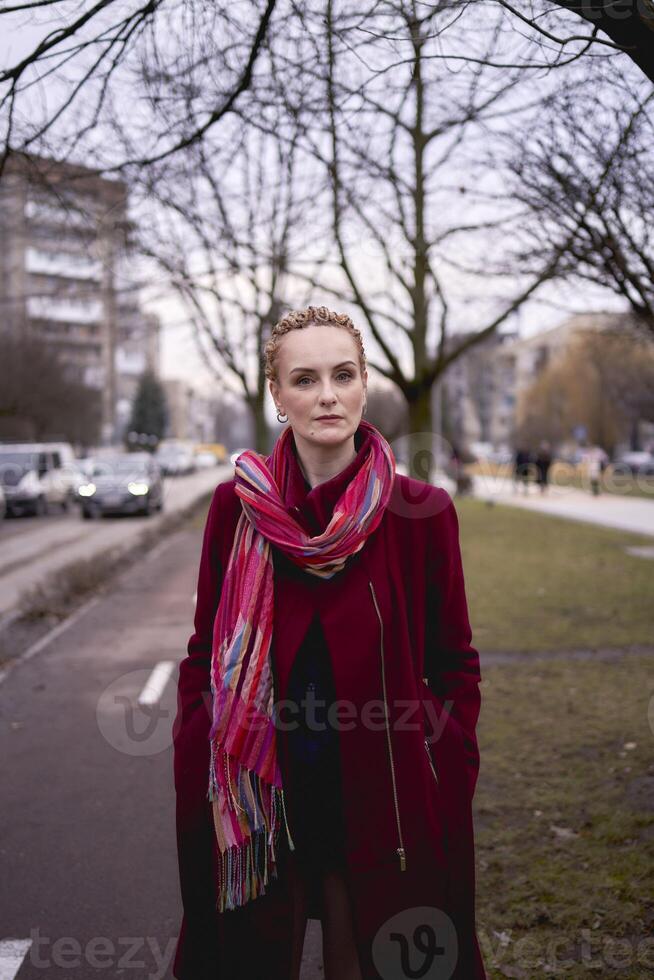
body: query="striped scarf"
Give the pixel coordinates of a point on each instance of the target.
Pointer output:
(245, 786)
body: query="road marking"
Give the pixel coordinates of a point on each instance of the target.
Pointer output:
(12, 954)
(156, 682)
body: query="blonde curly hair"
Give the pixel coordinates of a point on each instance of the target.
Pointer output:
(297, 320)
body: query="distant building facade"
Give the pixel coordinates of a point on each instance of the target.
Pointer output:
(485, 386)
(475, 391)
(64, 277)
(190, 415)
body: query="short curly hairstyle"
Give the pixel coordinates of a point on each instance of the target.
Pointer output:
(297, 320)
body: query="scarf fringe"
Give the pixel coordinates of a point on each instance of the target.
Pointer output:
(247, 836)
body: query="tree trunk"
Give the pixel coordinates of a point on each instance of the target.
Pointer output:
(257, 404)
(423, 442)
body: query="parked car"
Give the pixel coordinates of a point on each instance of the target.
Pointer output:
(126, 483)
(205, 460)
(175, 459)
(36, 476)
(635, 462)
(217, 448)
(502, 456)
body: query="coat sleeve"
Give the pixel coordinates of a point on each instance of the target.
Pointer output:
(193, 721)
(451, 665)
(191, 756)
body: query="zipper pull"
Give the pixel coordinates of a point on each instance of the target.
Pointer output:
(400, 853)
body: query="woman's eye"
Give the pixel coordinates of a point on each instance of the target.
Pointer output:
(341, 374)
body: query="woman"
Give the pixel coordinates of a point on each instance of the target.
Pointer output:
(324, 572)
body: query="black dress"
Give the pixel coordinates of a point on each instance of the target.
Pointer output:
(313, 756)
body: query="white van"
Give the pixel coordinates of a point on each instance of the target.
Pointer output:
(38, 475)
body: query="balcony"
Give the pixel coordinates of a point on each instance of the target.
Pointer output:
(68, 310)
(66, 265)
(50, 213)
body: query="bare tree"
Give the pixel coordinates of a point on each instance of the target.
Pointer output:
(592, 178)
(226, 236)
(400, 133)
(604, 380)
(629, 25)
(562, 27)
(187, 65)
(167, 72)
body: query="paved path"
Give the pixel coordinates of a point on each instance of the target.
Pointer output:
(603, 655)
(633, 514)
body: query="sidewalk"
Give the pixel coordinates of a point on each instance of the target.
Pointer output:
(633, 514)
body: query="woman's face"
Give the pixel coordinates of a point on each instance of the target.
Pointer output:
(318, 372)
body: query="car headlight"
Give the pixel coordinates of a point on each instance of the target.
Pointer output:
(86, 489)
(138, 489)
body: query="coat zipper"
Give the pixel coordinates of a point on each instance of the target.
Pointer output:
(431, 761)
(400, 850)
(427, 749)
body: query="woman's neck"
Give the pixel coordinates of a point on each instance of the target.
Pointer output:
(320, 466)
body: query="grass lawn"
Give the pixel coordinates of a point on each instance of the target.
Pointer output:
(564, 817)
(536, 582)
(564, 810)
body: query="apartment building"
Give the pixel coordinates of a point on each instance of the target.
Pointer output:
(191, 415)
(65, 276)
(474, 390)
(484, 388)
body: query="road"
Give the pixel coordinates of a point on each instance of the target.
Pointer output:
(31, 548)
(88, 863)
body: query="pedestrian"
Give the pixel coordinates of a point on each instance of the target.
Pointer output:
(327, 581)
(543, 462)
(455, 470)
(521, 469)
(595, 459)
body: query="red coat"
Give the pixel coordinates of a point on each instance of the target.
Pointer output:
(395, 799)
